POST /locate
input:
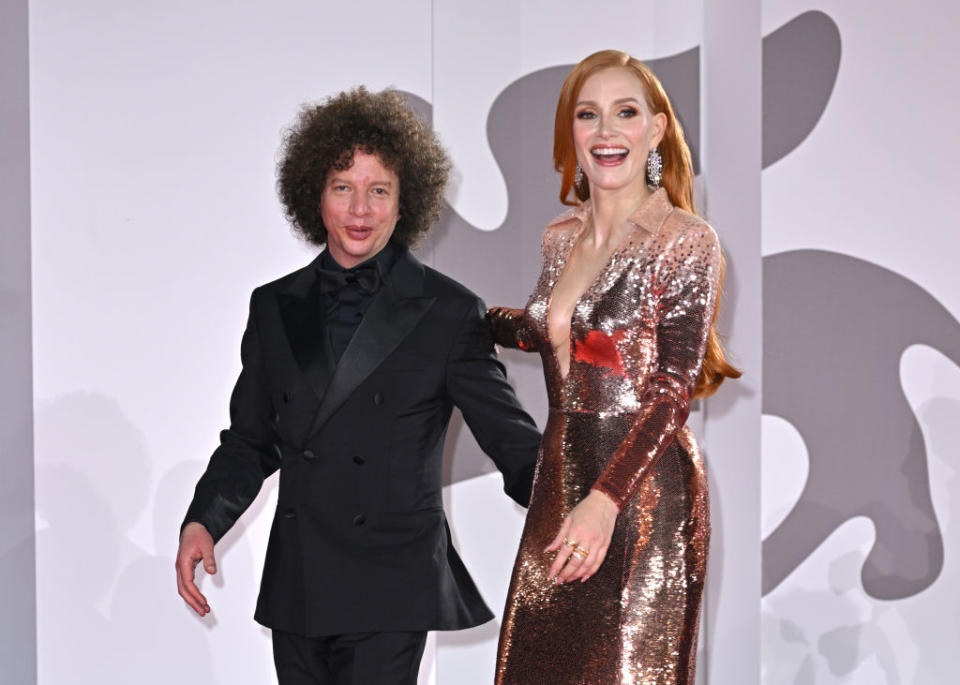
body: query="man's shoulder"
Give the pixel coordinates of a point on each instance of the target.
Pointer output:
(285, 282)
(440, 285)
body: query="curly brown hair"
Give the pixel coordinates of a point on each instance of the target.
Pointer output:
(326, 136)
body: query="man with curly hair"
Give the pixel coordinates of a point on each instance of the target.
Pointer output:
(351, 368)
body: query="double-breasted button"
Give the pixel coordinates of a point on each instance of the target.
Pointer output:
(378, 398)
(286, 397)
(289, 514)
(308, 455)
(358, 460)
(359, 520)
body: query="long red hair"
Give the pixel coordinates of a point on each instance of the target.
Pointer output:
(677, 177)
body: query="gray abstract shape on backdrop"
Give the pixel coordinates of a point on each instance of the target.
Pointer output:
(801, 60)
(822, 312)
(834, 330)
(520, 133)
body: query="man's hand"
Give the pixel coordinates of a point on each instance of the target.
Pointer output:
(196, 544)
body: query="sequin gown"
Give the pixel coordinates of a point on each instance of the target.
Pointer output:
(616, 424)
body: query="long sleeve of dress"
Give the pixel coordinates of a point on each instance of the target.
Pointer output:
(693, 266)
(509, 328)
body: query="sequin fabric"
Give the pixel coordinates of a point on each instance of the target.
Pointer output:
(616, 423)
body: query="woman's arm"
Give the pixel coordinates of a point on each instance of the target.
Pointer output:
(509, 329)
(685, 316)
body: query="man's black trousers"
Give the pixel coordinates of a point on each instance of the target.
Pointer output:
(385, 658)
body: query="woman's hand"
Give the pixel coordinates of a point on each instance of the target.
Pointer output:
(583, 540)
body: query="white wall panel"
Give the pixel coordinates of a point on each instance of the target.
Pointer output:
(154, 131)
(872, 189)
(480, 48)
(154, 137)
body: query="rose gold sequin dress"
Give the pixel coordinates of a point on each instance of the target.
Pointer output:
(616, 424)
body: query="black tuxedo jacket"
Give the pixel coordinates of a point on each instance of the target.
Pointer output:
(359, 541)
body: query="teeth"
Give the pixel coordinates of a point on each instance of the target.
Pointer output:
(608, 151)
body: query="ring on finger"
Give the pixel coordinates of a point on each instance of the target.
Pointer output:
(570, 543)
(579, 553)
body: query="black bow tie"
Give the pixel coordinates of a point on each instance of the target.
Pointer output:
(366, 277)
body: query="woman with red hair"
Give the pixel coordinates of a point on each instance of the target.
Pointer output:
(609, 577)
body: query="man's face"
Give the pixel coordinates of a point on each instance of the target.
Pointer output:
(360, 207)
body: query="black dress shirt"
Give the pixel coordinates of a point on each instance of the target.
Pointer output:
(342, 308)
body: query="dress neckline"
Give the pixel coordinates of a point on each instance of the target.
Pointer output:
(607, 265)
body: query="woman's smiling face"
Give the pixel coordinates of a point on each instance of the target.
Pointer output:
(614, 130)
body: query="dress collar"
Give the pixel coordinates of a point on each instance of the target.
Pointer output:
(649, 216)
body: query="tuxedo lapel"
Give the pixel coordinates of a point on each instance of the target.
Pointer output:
(393, 314)
(305, 330)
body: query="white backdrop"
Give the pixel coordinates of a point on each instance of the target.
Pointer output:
(875, 181)
(154, 130)
(154, 135)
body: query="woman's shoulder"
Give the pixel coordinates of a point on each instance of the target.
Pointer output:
(569, 218)
(571, 213)
(566, 224)
(683, 227)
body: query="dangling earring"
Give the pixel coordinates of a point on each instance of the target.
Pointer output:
(578, 176)
(654, 168)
